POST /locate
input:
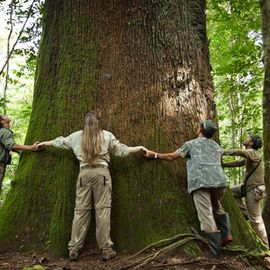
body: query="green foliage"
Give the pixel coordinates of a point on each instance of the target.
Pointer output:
(19, 110)
(35, 267)
(29, 40)
(235, 49)
(22, 69)
(236, 52)
(235, 46)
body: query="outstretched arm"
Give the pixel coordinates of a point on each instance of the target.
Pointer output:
(165, 156)
(45, 143)
(236, 163)
(60, 142)
(20, 147)
(121, 150)
(135, 149)
(235, 152)
(7, 140)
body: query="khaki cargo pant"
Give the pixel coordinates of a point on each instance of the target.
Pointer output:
(2, 174)
(252, 208)
(92, 183)
(207, 204)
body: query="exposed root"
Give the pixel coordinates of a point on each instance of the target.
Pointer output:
(149, 258)
(160, 243)
(214, 263)
(163, 246)
(164, 250)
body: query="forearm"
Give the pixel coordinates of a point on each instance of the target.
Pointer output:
(19, 147)
(134, 149)
(47, 143)
(232, 164)
(60, 142)
(236, 152)
(164, 156)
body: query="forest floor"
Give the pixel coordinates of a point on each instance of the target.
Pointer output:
(92, 261)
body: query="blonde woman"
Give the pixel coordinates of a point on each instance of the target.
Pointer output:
(92, 147)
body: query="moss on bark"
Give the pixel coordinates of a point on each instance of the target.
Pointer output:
(145, 68)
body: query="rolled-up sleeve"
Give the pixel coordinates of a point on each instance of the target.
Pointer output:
(236, 152)
(63, 142)
(183, 150)
(7, 140)
(117, 148)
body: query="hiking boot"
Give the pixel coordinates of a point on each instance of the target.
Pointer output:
(107, 254)
(73, 255)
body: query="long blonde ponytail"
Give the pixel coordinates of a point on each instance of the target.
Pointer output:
(92, 138)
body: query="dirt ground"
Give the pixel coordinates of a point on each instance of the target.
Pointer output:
(91, 260)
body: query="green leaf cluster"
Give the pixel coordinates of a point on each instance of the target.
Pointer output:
(234, 32)
(22, 68)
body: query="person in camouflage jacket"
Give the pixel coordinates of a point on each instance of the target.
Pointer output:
(206, 183)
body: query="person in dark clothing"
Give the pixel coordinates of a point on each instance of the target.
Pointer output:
(253, 189)
(8, 144)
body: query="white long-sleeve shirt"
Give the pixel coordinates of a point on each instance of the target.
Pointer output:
(110, 146)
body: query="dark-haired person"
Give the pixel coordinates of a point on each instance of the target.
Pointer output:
(253, 189)
(92, 147)
(206, 183)
(8, 144)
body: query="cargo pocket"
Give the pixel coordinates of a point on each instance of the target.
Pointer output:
(81, 181)
(259, 193)
(107, 181)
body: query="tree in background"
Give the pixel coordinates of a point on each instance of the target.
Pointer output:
(18, 48)
(265, 11)
(145, 68)
(236, 52)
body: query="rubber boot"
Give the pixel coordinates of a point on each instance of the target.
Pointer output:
(224, 225)
(213, 244)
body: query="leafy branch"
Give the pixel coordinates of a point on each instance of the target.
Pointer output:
(18, 37)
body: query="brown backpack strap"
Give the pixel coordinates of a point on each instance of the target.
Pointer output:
(247, 177)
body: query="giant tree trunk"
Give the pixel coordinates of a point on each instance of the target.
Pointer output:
(144, 66)
(265, 10)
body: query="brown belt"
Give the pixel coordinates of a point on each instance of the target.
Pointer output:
(93, 167)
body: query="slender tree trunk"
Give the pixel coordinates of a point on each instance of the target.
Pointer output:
(11, 6)
(265, 10)
(144, 66)
(233, 102)
(232, 118)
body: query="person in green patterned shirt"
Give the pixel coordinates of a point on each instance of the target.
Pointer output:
(206, 183)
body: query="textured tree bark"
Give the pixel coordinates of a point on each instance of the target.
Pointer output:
(265, 10)
(144, 66)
